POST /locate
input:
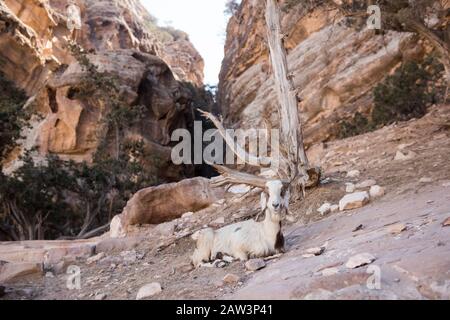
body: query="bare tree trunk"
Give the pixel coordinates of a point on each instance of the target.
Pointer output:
(290, 122)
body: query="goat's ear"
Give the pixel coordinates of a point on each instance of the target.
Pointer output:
(263, 201)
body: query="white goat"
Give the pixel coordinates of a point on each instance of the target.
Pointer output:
(248, 239)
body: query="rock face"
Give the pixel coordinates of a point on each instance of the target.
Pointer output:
(164, 203)
(151, 64)
(334, 67)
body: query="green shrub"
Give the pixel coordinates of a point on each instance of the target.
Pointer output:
(12, 115)
(404, 95)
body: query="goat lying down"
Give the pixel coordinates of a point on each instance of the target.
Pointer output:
(248, 239)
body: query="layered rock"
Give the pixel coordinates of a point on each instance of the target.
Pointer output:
(152, 65)
(334, 66)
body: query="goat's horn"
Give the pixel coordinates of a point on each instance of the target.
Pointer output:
(230, 176)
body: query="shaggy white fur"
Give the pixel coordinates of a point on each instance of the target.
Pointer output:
(248, 239)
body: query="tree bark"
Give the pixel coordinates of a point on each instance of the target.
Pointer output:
(290, 124)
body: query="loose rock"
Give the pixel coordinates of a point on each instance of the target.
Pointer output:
(446, 223)
(315, 251)
(330, 272)
(397, 228)
(101, 296)
(350, 188)
(334, 208)
(354, 201)
(360, 260)
(324, 209)
(255, 264)
(400, 156)
(366, 184)
(149, 290)
(353, 174)
(96, 258)
(231, 279)
(426, 180)
(376, 192)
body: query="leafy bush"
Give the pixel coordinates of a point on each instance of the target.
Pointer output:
(400, 97)
(12, 115)
(67, 199)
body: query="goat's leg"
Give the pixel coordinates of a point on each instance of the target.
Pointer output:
(241, 255)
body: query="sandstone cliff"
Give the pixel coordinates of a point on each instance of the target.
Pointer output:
(152, 65)
(334, 67)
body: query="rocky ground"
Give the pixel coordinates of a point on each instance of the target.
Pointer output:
(400, 239)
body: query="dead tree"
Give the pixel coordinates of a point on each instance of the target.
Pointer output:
(293, 165)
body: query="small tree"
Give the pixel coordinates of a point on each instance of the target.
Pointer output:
(231, 7)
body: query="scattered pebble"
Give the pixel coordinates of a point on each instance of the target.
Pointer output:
(401, 156)
(446, 223)
(96, 258)
(376, 192)
(149, 290)
(353, 174)
(354, 201)
(330, 272)
(324, 209)
(360, 260)
(231, 279)
(426, 180)
(350, 188)
(101, 296)
(397, 228)
(366, 184)
(255, 264)
(315, 251)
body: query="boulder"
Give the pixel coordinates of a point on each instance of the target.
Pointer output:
(164, 203)
(354, 201)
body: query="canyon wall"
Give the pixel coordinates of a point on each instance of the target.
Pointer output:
(156, 68)
(334, 66)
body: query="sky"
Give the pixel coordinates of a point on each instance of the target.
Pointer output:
(203, 20)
